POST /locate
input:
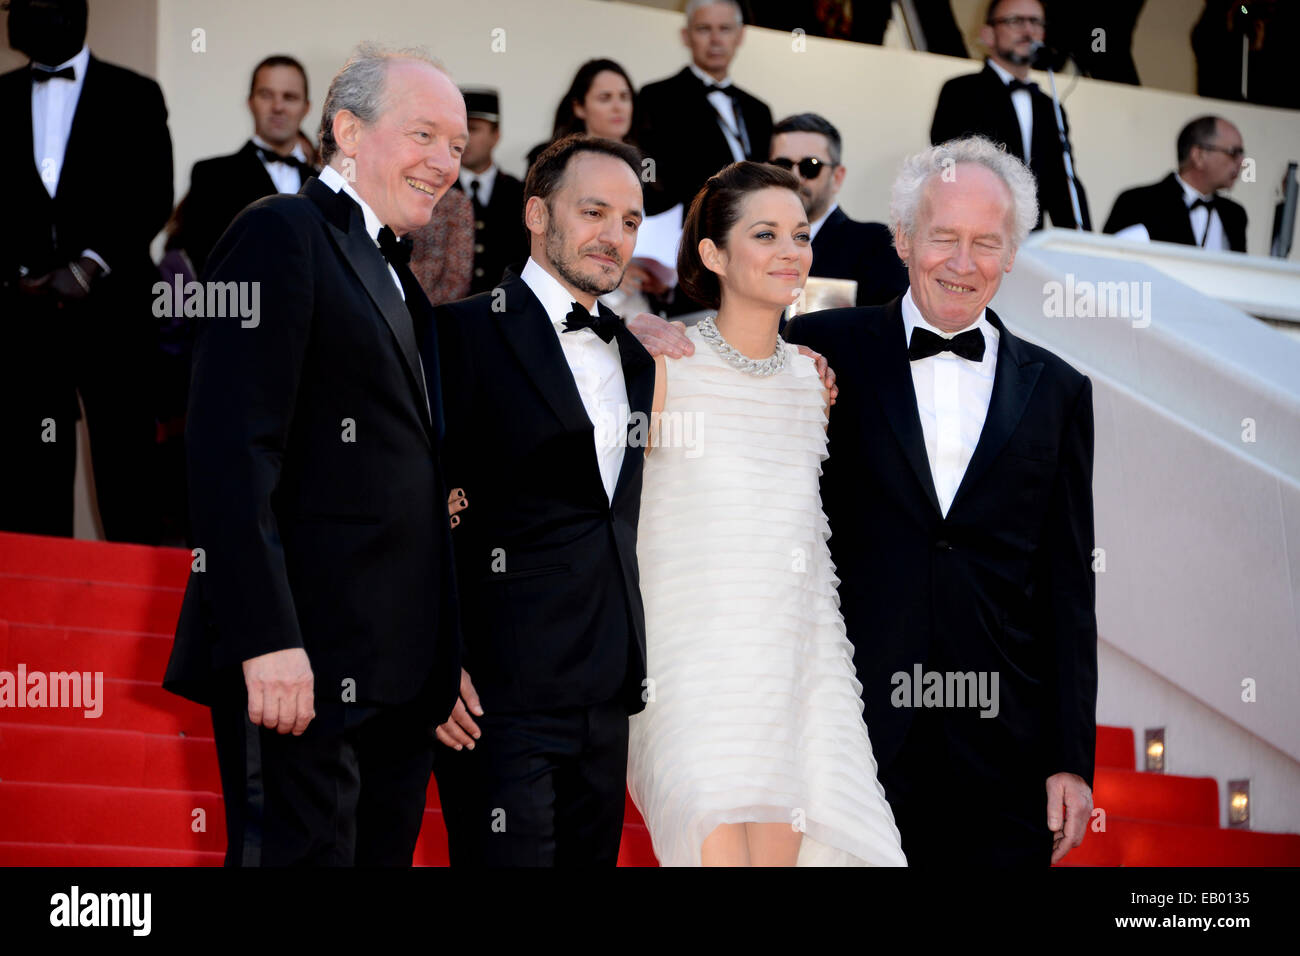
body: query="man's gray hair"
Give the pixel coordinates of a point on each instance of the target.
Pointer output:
(909, 186)
(694, 5)
(359, 88)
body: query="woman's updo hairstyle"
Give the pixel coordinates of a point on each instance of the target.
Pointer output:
(713, 212)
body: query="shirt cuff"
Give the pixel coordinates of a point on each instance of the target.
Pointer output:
(92, 254)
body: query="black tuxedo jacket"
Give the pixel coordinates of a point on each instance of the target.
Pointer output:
(1162, 208)
(679, 129)
(1003, 583)
(847, 249)
(115, 187)
(219, 188)
(315, 484)
(979, 103)
(500, 239)
(550, 594)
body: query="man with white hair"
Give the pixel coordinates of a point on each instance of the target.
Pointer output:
(959, 492)
(320, 623)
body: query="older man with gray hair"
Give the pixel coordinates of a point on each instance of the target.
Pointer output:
(697, 121)
(320, 623)
(959, 496)
(959, 493)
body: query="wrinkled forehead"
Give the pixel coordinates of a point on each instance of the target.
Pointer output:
(416, 91)
(966, 196)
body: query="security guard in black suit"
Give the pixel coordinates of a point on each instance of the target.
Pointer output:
(499, 235)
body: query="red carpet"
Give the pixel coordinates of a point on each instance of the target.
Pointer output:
(138, 786)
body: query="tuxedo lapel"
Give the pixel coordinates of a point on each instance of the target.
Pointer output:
(696, 98)
(20, 105)
(88, 107)
(528, 330)
(258, 179)
(348, 229)
(892, 377)
(824, 244)
(639, 379)
(1013, 383)
(1008, 120)
(1174, 210)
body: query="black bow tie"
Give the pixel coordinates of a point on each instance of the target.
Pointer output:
(396, 251)
(967, 345)
(41, 75)
(269, 157)
(1020, 85)
(601, 323)
(1198, 201)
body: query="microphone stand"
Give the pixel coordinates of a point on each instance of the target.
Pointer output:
(1040, 49)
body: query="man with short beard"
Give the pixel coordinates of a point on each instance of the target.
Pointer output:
(545, 391)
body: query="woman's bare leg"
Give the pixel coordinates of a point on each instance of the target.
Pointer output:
(773, 844)
(726, 846)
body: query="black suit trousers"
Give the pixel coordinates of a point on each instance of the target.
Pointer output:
(541, 788)
(963, 820)
(350, 791)
(105, 353)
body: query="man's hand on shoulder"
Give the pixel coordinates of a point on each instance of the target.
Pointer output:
(281, 690)
(660, 337)
(824, 370)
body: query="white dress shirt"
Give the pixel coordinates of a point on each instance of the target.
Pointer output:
(1024, 105)
(1201, 216)
(725, 107)
(54, 105)
(287, 179)
(952, 397)
(486, 180)
(597, 369)
(816, 227)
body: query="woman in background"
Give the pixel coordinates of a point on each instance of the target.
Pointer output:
(599, 102)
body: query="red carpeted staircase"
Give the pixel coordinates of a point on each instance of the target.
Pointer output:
(138, 785)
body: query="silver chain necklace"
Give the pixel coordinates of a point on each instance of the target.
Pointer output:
(761, 367)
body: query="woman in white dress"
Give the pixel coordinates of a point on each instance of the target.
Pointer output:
(752, 749)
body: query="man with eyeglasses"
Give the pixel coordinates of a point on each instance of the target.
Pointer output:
(1002, 104)
(843, 248)
(1185, 206)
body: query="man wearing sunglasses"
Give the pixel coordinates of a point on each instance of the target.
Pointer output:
(1186, 206)
(843, 248)
(1002, 104)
